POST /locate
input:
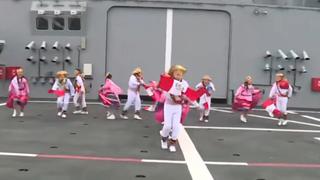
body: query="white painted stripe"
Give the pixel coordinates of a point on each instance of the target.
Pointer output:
(168, 50)
(219, 110)
(317, 138)
(195, 163)
(2, 104)
(253, 129)
(227, 163)
(53, 102)
(163, 161)
(17, 154)
(310, 117)
(291, 121)
(291, 112)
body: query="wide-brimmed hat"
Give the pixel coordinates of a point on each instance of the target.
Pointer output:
(207, 77)
(62, 73)
(137, 70)
(177, 68)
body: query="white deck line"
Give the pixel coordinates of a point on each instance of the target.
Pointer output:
(163, 161)
(2, 104)
(252, 129)
(17, 154)
(195, 163)
(312, 118)
(291, 121)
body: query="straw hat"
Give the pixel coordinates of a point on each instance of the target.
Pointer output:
(247, 78)
(62, 73)
(177, 68)
(137, 70)
(207, 77)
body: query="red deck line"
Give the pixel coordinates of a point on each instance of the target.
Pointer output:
(92, 158)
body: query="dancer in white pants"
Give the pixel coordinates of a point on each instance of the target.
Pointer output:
(62, 83)
(205, 99)
(135, 83)
(281, 90)
(79, 98)
(173, 108)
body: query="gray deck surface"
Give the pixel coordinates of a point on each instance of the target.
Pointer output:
(42, 132)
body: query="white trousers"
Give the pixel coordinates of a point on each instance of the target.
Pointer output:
(203, 111)
(282, 104)
(133, 99)
(79, 99)
(63, 101)
(172, 118)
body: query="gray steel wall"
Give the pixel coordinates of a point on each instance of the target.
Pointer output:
(111, 24)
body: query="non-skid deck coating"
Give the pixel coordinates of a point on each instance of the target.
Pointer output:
(85, 147)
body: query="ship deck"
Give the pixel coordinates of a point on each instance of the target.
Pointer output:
(81, 147)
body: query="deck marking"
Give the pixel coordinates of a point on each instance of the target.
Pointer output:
(293, 111)
(291, 121)
(227, 163)
(317, 138)
(168, 50)
(252, 129)
(195, 163)
(310, 117)
(220, 110)
(2, 104)
(133, 160)
(17, 154)
(136, 160)
(163, 161)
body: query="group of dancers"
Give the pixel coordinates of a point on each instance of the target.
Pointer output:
(172, 98)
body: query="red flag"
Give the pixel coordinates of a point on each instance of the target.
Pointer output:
(269, 106)
(195, 94)
(165, 82)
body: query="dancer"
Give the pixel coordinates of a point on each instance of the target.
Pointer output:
(281, 91)
(79, 98)
(18, 93)
(205, 99)
(109, 95)
(64, 90)
(135, 83)
(246, 98)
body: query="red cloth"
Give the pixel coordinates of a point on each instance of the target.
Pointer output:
(284, 84)
(166, 83)
(269, 106)
(58, 93)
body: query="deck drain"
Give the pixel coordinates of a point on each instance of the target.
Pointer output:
(39, 115)
(260, 179)
(236, 154)
(73, 133)
(144, 151)
(291, 141)
(53, 147)
(146, 126)
(95, 117)
(140, 176)
(21, 121)
(220, 139)
(145, 136)
(23, 170)
(85, 124)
